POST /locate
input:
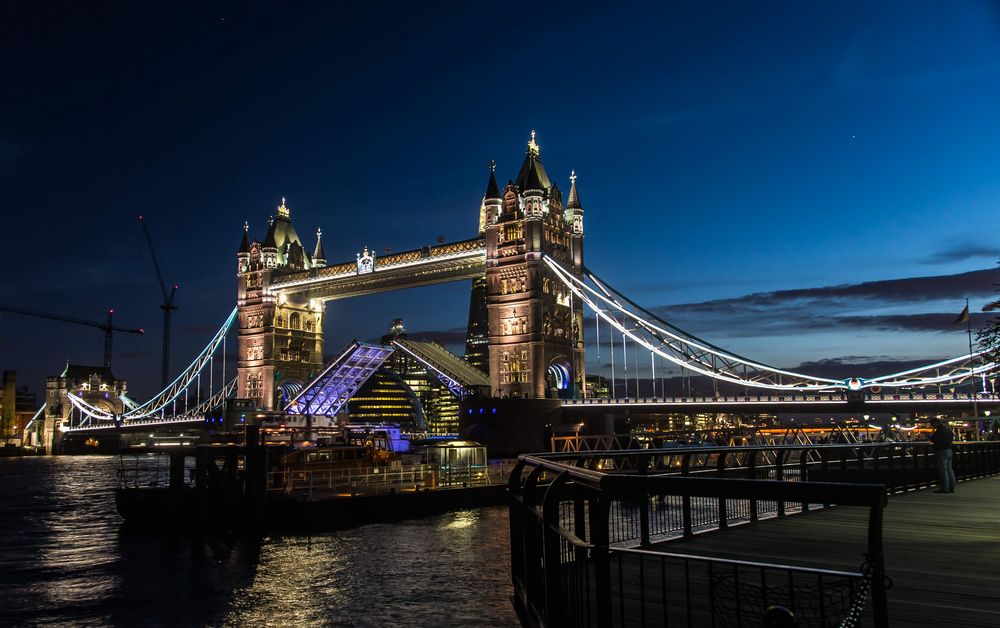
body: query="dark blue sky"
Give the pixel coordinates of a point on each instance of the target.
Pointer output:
(723, 150)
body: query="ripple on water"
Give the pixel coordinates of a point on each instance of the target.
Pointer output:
(65, 561)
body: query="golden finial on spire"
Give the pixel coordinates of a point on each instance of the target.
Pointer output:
(246, 226)
(319, 232)
(493, 166)
(572, 176)
(532, 144)
(283, 209)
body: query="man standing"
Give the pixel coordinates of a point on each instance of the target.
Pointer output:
(942, 439)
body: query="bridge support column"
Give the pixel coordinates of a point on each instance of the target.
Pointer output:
(535, 325)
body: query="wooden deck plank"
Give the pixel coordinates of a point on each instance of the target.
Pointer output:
(941, 551)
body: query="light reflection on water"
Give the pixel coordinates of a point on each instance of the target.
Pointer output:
(65, 560)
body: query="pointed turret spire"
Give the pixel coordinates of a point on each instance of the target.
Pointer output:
(319, 257)
(245, 245)
(269, 241)
(492, 190)
(531, 181)
(532, 164)
(573, 202)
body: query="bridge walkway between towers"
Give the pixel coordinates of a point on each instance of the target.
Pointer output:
(941, 550)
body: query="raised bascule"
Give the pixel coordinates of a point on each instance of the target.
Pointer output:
(530, 286)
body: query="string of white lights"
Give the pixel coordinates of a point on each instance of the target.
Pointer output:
(689, 352)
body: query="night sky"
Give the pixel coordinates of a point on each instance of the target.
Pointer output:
(798, 182)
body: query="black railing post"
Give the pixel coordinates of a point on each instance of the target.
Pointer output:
(534, 585)
(891, 483)
(551, 559)
(602, 560)
(720, 467)
(686, 499)
(880, 609)
(804, 473)
(516, 520)
(752, 466)
(824, 465)
(580, 527)
(643, 503)
(779, 475)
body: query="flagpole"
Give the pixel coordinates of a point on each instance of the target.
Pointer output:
(972, 371)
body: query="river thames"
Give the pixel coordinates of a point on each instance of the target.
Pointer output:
(66, 560)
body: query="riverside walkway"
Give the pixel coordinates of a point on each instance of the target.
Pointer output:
(941, 550)
(778, 535)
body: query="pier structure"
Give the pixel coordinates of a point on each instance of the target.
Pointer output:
(781, 535)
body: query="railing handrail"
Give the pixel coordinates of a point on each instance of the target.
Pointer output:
(742, 563)
(663, 451)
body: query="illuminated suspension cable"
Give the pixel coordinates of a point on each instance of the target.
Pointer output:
(687, 346)
(180, 385)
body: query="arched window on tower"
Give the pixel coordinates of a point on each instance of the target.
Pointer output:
(295, 321)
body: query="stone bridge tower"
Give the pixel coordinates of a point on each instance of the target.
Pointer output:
(535, 325)
(280, 338)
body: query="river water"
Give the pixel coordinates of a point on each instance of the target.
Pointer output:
(65, 560)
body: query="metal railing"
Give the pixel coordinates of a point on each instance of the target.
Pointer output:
(582, 525)
(381, 480)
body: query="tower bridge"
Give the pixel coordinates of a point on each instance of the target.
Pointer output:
(530, 287)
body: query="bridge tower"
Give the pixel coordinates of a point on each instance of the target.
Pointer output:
(535, 325)
(280, 336)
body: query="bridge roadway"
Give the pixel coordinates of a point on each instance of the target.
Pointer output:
(897, 402)
(941, 550)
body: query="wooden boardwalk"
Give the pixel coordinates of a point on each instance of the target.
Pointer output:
(942, 551)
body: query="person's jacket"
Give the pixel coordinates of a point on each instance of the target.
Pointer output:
(942, 438)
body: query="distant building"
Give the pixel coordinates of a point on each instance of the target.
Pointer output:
(96, 385)
(17, 406)
(439, 405)
(382, 400)
(386, 398)
(477, 339)
(598, 387)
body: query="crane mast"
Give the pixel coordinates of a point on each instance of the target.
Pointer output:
(167, 306)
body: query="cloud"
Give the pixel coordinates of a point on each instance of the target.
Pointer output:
(888, 291)
(960, 252)
(860, 366)
(923, 322)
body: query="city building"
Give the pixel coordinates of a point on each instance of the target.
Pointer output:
(96, 385)
(17, 407)
(387, 399)
(440, 407)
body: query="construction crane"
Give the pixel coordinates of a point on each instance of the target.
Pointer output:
(167, 306)
(107, 327)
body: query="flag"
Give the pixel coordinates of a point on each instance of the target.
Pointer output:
(989, 307)
(963, 317)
